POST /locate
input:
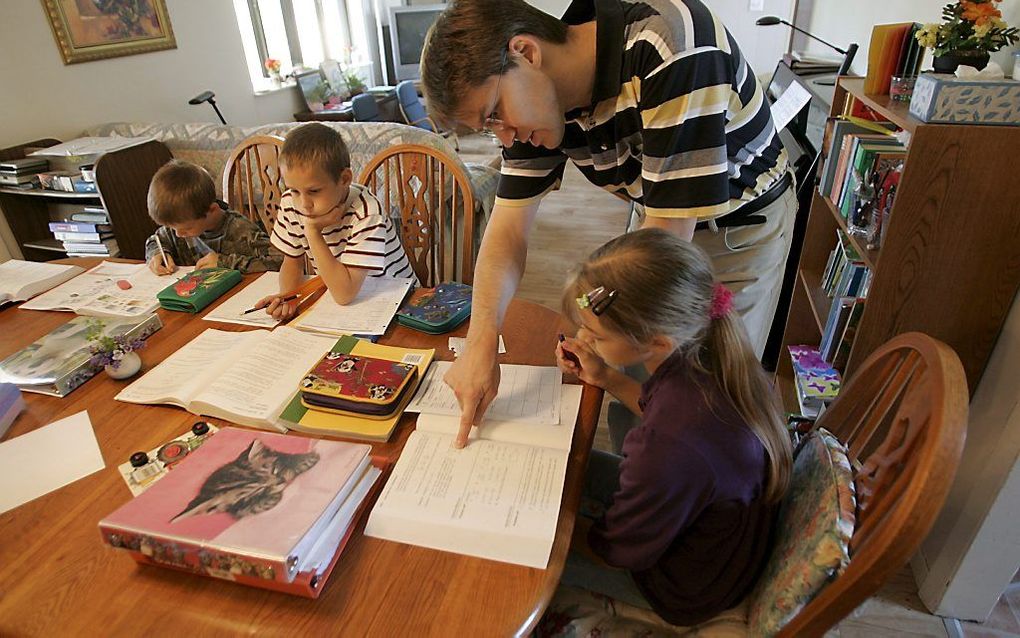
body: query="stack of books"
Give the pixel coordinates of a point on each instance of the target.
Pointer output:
(22, 173)
(846, 280)
(803, 63)
(817, 381)
(86, 239)
(261, 509)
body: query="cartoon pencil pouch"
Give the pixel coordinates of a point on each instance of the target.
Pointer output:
(198, 289)
(447, 307)
(358, 384)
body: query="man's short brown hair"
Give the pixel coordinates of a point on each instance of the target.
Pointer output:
(316, 145)
(468, 44)
(180, 192)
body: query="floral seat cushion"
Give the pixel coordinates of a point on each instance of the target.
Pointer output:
(816, 521)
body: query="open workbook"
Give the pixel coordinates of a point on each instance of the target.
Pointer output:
(21, 280)
(496, 499)
(243, 377)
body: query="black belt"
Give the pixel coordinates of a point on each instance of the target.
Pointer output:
(745, 215)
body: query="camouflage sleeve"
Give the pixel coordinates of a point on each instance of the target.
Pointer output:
(253, 252)
(169, 241)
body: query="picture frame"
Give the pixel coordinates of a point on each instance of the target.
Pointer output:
(334, 76)
(87, 30)
(318, 94)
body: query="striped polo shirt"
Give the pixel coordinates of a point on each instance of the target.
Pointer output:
(363, 238)
(678, 121)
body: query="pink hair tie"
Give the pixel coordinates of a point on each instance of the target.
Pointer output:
(722, 301)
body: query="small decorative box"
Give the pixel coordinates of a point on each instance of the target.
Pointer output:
(941, 98)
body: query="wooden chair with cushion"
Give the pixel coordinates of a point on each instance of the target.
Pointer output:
(252, 184)
(428, 196)
(866, 487)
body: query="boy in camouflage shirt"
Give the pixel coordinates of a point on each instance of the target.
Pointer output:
(196, 229)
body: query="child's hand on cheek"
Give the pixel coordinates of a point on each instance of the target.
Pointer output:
(592, 369)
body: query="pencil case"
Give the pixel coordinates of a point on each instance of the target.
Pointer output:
(357, 384)
(445, 308)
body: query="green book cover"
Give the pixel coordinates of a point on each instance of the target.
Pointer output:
(198, 289)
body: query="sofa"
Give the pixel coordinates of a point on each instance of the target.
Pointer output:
(209, 145)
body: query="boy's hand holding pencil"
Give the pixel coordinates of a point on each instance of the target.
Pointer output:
(161, 263)
(284, 306)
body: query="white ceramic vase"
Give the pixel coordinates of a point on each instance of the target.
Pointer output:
(129, 366)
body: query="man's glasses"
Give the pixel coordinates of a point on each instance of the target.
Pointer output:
(598, 300)
(490, 121)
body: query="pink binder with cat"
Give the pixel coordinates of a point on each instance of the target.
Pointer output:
(260, 508)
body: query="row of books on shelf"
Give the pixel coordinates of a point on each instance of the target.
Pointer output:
(32, 173)
(87, 233)
(846, 281)
(861, 173)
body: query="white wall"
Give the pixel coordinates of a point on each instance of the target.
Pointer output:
(842, 22)
(42, 97)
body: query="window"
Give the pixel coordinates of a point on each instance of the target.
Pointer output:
(300, 33)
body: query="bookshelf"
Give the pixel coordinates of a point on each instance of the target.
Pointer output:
(122, 179)
(949, 264)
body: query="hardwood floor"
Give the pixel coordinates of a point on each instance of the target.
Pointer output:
(580, 217)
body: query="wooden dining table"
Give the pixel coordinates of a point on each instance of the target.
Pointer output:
(57, 578)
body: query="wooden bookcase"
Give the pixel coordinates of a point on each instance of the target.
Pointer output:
(122, 179)
(949, 264)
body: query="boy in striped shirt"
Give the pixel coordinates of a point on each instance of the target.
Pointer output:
(339, 225)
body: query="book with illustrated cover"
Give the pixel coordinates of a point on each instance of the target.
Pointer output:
(264, 509)
(444, 309)
(298, 416)
(58, 363)
(198, 289)
(359, 384)
(817, 382)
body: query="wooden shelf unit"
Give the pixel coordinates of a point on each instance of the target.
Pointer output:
(122, 179)
(949, 264)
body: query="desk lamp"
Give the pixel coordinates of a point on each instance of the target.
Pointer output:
(207, 96)
(848, 54)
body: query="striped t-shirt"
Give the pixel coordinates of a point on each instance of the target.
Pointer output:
(364, 237)
(678, 121)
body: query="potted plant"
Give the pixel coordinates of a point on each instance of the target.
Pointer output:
(970, 30)
(354, 82)
(117, 354)
(273, 67)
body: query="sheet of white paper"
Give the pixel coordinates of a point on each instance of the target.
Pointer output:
(457, 345)
(789, 104)
(47, 459)
(493, 500)
(529, 394)
(369, 314)
(557, 436)
(232, 310)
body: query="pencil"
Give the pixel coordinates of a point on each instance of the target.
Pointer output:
(291, 297)
(162, 254)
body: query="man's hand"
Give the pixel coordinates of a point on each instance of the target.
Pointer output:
(474, 378)
(209, 261)
(156, 264)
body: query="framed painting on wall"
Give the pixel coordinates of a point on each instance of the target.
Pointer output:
(88, 30)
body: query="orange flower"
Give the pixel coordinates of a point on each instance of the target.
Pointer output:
(979, 13)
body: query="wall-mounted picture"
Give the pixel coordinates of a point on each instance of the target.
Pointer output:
(319, 96)
(88, 30)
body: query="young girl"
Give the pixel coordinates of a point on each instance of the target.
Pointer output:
(687, 510)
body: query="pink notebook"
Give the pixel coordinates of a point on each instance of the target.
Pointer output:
(245, 503)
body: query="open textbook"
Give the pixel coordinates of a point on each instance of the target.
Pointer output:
(529, 394)
(21, 280)
(232, 310)
(369, 313)
(243, 377)
(97, 292)
(493, 499)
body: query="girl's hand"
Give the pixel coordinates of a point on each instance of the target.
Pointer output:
(593, 368)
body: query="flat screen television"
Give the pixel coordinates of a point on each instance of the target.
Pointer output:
(408, 27)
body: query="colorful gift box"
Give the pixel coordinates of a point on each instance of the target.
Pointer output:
(941, 98)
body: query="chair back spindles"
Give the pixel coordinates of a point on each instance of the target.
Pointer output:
(252, 184)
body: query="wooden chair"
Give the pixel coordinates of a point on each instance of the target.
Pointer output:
(903, 417)
(252, 184)
(436, 209)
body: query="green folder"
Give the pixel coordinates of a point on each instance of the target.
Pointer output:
(198, 289)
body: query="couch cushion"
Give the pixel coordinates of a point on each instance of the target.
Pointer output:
(816, 521)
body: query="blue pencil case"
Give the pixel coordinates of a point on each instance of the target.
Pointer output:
(448, 306)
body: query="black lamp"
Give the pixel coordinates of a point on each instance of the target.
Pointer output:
(207, 96)
(848, 54)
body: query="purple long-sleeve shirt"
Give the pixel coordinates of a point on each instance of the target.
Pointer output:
(690, 519)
